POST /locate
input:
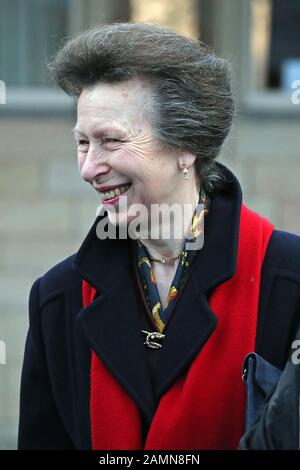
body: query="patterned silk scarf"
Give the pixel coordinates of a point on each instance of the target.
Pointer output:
(162, 313)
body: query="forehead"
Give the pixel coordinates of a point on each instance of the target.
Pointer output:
(122, 102)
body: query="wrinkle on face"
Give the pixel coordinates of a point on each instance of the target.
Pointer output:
(121, 108)
(116, 111)
(121, 113)
(123, 103)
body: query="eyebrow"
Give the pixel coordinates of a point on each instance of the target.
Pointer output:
(100, 132)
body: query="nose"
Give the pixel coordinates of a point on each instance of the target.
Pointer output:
(91, 166)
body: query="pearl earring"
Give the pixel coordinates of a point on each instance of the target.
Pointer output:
(185, 172)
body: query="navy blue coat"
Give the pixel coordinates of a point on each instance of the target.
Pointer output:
(54, 400)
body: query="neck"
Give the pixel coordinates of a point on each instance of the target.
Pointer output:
(167, 247)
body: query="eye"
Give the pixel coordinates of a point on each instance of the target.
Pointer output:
(82, 142)
(110, 139)
(82, 145)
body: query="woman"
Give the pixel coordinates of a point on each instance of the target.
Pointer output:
(137, 342)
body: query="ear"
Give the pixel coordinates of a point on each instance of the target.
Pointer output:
(185, 159)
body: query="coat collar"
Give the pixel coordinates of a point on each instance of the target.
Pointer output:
(111, 322)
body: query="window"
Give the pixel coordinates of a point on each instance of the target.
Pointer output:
(30, 33)
(275, 45)
(271, 55)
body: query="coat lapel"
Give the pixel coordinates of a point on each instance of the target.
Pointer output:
(111, 324)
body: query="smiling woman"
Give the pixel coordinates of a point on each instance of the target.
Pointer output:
(139, 342)
(105, 115)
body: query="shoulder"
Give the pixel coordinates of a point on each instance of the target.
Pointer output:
(283, 252)
(57, 279)
(279, 304)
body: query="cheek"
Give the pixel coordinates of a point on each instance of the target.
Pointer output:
(124, 162)
(147, 193)
(138, 155)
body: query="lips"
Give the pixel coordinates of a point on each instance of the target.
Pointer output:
(106, 189)
(114, 193)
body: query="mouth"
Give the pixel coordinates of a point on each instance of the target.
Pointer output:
(113, 195)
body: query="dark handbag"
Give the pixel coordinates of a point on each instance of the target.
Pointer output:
(277, 426)
(260, 377)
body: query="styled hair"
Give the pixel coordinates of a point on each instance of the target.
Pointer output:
(193, 106)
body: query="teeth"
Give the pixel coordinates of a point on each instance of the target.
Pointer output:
(115, 192)
(124, 188)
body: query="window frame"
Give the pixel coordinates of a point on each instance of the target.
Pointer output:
(252, 100)
(47, 100)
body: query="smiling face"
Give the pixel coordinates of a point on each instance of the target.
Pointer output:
(117, 145)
